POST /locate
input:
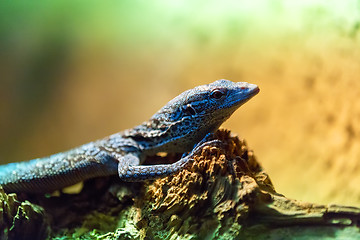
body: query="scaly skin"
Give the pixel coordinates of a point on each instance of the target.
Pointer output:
(175, 128)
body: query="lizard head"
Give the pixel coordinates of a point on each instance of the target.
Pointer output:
(187, 118)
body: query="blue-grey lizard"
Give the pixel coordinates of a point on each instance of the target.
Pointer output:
(175, 128)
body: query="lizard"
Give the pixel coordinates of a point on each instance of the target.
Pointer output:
(183, 125)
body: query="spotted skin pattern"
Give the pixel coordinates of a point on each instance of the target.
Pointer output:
(185, 121)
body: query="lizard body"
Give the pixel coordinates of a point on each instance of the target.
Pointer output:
(175, 128)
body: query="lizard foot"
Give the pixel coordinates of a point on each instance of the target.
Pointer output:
(149, 172)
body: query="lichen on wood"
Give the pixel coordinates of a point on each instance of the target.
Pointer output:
(21, 219)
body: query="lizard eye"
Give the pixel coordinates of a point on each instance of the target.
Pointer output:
(189, 110)
(217, 94)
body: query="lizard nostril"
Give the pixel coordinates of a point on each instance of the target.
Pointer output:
(189, 109)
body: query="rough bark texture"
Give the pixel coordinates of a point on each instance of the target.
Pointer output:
(223, 194)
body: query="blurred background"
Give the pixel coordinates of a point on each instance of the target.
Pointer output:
(72, 72)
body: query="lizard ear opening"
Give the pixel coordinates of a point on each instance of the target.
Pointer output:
(188, 110)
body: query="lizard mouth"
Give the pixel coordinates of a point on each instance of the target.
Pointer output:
(256, 90)
(240, 97)
(253, 92)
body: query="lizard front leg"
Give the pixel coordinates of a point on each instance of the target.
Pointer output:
(130, 170)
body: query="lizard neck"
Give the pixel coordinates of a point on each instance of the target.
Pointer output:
(177, 137)
(155, 136)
